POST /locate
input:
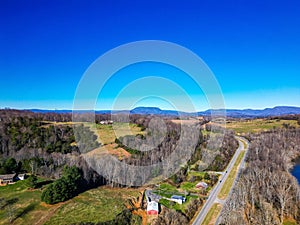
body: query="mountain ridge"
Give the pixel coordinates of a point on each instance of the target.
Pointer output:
(240, 113)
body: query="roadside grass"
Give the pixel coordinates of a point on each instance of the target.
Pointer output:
(258, 125)
(231, 177)
(212, 214)
(289, 222)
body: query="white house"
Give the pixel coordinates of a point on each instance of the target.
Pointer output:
(177, 198)
(105, 122)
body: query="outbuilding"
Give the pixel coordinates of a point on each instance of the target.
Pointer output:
(152, 208)
(7, 179)
(202, 185)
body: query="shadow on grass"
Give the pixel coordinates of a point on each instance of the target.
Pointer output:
(42, 183)
(8, 202)
(24, 211)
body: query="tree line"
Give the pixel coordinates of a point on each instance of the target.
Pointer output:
(266, 192)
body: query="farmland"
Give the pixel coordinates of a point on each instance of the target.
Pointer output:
(258, 125)
(95, 205)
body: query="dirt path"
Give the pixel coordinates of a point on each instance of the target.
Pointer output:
(50, 213)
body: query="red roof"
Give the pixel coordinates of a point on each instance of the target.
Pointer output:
(152, 212)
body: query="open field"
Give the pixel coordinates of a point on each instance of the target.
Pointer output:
(231, 177)
(186, 121)
(25, 206)
(108, 133)
(258, 125)
(112, 149)
(95, 205)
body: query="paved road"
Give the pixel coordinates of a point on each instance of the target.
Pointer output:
(215, 191)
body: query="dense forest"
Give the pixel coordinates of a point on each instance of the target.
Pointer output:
(32, 143)
(40, 144)
(266, 192)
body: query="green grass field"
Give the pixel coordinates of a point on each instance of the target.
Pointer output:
(258, 125)
(25, 205)
(96, 205)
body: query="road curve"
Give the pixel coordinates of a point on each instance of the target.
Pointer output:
(215, 191)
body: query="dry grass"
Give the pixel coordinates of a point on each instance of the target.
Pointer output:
(187, 121)
(108, 133)
(212, 214)
(111, 149)
(231, 177)
(258, 125)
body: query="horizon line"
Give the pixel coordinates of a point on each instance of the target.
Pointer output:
(162, 109)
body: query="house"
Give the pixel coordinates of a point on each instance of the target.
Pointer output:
(202, 185)
(7, 179)
(177, 198)
(105, 122)
(152, 208)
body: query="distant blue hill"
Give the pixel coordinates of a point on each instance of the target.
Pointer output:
(238, 113)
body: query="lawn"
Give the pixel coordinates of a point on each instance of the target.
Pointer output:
(25, 206)
(258, 125)
(176, 206)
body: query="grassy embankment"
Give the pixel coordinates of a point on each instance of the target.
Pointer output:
(231, 177)
(224, 192)
(212, 214)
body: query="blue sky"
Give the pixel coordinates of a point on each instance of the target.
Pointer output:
(252, 47)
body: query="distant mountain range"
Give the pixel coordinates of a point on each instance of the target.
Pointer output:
(239, 113)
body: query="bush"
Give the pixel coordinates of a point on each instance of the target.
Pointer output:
(64, 188)
(31, 181)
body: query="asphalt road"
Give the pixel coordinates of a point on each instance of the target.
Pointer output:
(215, 191)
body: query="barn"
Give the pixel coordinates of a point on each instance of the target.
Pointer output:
(152, 208)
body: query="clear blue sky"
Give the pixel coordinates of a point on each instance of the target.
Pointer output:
(252, 47)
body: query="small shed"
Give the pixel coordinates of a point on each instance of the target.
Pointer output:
(202, 185)
(22, 176)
